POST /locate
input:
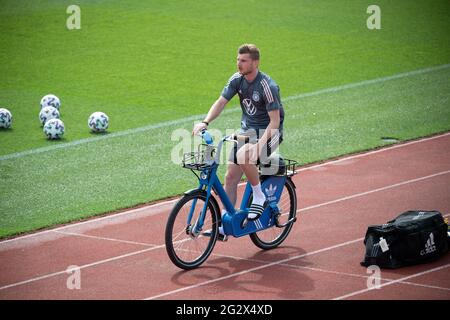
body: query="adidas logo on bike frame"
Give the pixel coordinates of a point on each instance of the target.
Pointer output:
(270, 192)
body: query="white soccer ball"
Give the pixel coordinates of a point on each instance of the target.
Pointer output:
(54, 129)
(50, 100)
(48, 113)
(5, 118)
(98, 122)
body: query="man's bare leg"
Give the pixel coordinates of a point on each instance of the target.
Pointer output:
(232, 179)
(247, 157)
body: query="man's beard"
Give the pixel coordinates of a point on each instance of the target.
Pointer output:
(245, 73)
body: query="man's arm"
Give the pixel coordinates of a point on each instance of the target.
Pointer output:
(213, 113)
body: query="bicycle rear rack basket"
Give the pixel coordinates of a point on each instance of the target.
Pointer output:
(282, 167)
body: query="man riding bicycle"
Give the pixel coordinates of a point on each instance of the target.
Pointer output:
(262, 121)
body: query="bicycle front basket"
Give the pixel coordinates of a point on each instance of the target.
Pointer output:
(201, 159)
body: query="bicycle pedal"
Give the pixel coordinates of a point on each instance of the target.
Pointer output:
(282, 225)
(222, 237)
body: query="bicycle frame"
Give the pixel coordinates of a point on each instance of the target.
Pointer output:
(232, 220)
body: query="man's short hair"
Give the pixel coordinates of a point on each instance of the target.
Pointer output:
(251, 49)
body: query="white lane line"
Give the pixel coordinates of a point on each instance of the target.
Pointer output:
(182, 289)
(251, 270)
(330, 271)
(81, 267)
(262, 261)
(91, 221)
(280, 262)
(366, 277)
(369, 153)
(103, 238)
(230, 110)
(392, 282)
(374, 190)
(154, 247)
(162, 246)
(98, 138)
(160, 203)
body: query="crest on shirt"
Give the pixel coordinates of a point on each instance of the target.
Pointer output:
(255, 96)
(249, 107)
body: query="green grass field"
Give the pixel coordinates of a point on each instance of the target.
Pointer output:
(155, 66)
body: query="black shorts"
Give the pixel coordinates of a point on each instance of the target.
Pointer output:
(270, 146)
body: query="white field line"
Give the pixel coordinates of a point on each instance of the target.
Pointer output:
(113, 216)
(368, 82)
(393, 282)
(228, 110)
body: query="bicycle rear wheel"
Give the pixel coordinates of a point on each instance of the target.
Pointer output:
(187, 246)
(272, 237)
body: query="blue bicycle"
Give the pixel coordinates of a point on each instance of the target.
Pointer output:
(193, 225)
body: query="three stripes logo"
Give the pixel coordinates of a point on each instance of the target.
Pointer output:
(429, 246)
(375, 250)
(258, 224)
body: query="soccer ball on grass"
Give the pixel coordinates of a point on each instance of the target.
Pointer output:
(5, 118)
(48, 113)
(50, 100)
(98, 122)
(54, 129)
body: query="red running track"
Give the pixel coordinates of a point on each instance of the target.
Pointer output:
(122, 256)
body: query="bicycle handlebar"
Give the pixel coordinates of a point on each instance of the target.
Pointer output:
(234, 137)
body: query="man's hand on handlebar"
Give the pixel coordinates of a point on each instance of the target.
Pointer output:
(198, 128)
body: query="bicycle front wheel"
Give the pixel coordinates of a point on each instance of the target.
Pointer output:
(187, 245)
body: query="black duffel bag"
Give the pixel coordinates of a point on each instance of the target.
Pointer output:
(411, 238)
